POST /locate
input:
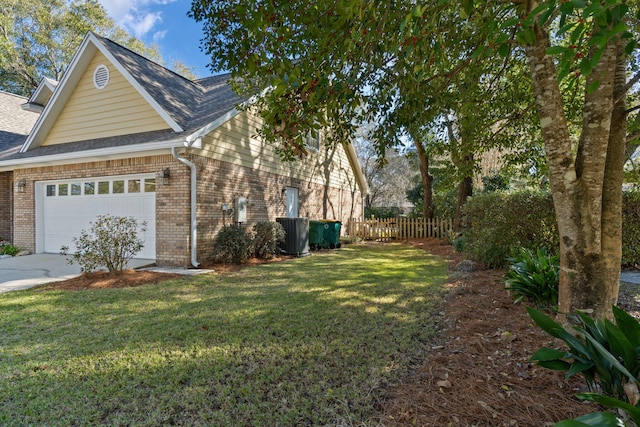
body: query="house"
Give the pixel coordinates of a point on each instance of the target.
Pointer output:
(122, 135)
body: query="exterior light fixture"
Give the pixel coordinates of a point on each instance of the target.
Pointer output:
(163, 176)
(21, 185)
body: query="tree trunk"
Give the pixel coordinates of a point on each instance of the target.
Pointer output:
(587, 282)
(465, 190)
(427, 180)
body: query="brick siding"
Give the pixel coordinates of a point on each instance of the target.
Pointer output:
(6, 211)
(218, 183)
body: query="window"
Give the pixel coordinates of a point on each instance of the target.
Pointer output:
(51, 190)
(150, 185)
(76, 189)
(312, 140)
(118, 186)
(63, 189)
(103, 187)
(134, 186)
(89, 188)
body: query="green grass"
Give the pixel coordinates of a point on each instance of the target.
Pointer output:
(310, 341)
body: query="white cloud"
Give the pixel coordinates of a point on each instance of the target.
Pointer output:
(141, 23)
(136, 16)
(159, 35)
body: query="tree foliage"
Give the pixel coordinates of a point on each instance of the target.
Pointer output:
(39, 38)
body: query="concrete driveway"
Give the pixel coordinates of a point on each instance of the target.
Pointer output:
(24, 272)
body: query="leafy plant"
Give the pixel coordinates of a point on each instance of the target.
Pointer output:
(110, 242)
(534, 277)
(606, 354)
(266, 235)
(7, 248)
(498, 224)
(232, 245)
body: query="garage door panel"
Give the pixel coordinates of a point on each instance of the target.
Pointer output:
(64, 217)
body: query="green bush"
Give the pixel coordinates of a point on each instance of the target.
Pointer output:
(7, 248)
(607, 355)
(232, 245)
(497, 225)
(110, 242)
(266, 235)
(631, 228)
(534, 277)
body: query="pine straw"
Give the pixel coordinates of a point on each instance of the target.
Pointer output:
(480, 374)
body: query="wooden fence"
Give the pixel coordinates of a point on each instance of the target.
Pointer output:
(398, 228)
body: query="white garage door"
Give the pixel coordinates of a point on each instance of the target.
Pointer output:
(68, 207)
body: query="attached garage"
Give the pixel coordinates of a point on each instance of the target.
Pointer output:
(66, 207)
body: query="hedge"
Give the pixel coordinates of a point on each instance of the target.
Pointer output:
(496, 225)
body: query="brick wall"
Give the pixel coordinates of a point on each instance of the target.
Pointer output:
(6, 205)
(221, 182)
(172, 201)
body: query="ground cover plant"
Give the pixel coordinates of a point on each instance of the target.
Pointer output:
(307, 341)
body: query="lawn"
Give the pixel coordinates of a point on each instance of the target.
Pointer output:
(309, 341)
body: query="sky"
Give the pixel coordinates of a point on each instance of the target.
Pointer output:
(166, 24)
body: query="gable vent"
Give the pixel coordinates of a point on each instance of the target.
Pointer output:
(101, 77)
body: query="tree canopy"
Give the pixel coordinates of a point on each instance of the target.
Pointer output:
(39, 38)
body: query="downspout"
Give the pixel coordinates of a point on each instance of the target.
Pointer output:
(194, 193)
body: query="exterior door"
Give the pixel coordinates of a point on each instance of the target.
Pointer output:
(292, 202)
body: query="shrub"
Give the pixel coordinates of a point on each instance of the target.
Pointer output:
(110, 242)
(497, 225)
(607, 355)
(631, 228)
(7, 248)
(266, 236)
(232, 245)
(534, 277)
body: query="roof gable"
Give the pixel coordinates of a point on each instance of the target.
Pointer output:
(130, 66)
(114, 110)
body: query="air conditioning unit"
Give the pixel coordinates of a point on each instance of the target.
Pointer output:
(296, 241)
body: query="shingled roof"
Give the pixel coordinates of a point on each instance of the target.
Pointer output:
(191, 104)
(15, 123)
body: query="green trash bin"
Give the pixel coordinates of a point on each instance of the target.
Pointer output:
(331, 233)
(316, 235)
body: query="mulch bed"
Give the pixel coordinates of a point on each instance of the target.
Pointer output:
(479, 373)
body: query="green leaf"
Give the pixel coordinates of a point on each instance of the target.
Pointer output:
(547, 354)
(595, 419)
(628, 325)
(545, 322)
(570, 423)
(556, 50)
(585, 67)
(611, 402)
(606, 355)
(556, 365)
(467, 6)
(417, 11)
(579, 3)
(503, 50)
(578, 368)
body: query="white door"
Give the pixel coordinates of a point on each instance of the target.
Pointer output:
(68, 207)
(292, 202)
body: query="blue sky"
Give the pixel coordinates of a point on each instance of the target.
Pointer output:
(165, 23)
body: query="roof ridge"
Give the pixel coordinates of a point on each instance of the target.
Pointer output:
(143, 57)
